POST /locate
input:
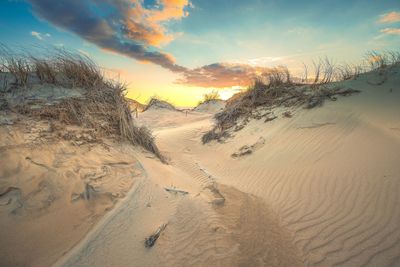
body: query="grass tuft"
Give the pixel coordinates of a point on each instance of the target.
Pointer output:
(103, 107)
(211, 96)
(277, 88)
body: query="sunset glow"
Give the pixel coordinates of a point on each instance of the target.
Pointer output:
(180, 50)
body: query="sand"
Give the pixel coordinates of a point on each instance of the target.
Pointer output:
(53, 188)
(211, 106)
(318, 189)
(331, 174)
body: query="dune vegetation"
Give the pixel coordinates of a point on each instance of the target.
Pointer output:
(103, 106)
(157, 102)
(278, 88)
(211, 96)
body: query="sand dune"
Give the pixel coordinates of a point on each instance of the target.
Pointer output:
(331, 174)
(53, 188)
(211, 106)
(317, 189)
(199, 231)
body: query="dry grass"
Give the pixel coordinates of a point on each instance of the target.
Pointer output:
(277, 88)
(18, 66)
(103, 107)
(325, 71)
(272, 89)
(378, 60)
(348, 72)
(156, 101)
(44, 70)
(211, 96)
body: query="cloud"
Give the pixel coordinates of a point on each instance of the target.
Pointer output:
(265, 61)
(136, 30)
(122, 26)
(40, 36)
(146, 24)
(393, 31)
(390, 17)
(221, 75)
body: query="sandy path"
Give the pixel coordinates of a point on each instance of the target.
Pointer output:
(242, 231)
(331, 174)
(325, 181)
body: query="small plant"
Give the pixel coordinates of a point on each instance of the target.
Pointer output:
(18, 66)
(45, 71)
(325, 71)
(348, 72)
(377, 60)
(213, 95)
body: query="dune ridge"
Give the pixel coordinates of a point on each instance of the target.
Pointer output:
(331, 174)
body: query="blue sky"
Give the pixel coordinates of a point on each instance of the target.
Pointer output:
(250, 29)
(177, 48)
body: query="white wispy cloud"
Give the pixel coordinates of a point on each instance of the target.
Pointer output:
(40, 36)
(392, 31)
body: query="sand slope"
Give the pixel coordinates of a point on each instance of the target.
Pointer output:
(332, 174)
(200, 231)
(54, 188)
(318, 189)
(211, 106)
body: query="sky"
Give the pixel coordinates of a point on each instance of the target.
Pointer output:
(179, 50)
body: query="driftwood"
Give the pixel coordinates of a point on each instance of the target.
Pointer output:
(173, 190)
(151, 240)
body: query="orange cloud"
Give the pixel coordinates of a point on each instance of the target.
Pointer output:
(222, 75)
(146, 25)
(393, 31)
(125, 27)
(390, 17)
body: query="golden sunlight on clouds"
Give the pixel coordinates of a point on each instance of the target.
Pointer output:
(390, 17)
(146, 25)
(394, 31)
(173, 9)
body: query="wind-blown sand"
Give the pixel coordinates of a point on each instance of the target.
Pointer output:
(54, 188)
(211, 106)
(318, 189)
(325, 181)
(331, 174)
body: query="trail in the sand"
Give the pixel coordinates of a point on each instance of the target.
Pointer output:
(239, 230)
(327, 180)
(331, 174)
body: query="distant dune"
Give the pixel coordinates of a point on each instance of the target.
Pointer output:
(211, 106)
(156, 103)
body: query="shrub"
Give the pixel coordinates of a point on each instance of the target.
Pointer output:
(213, 95)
